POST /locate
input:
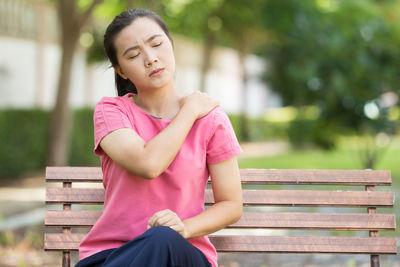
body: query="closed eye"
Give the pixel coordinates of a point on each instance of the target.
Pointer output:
(157, 44)
(132, 57)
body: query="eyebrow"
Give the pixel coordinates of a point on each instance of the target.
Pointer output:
(136, 46)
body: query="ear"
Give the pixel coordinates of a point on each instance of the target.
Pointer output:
(120, 72)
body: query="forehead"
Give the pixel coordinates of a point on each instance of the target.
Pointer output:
(138, 31)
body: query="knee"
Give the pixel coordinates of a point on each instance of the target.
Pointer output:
(164, 235)
(162, 232)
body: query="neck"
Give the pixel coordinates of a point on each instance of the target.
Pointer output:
(162, 103)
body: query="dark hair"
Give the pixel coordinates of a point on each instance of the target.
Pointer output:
(121, 21)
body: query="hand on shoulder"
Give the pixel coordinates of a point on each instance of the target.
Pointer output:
(200, 104)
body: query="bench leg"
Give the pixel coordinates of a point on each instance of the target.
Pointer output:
(374, 260)
(66, 259)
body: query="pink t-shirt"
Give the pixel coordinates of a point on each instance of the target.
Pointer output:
(131, 200)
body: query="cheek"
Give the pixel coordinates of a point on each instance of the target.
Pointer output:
(170, 57)
(133, 70)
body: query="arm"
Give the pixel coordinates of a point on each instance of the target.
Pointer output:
(149, 160)
(225, 178)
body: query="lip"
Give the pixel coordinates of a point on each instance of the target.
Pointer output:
(156, 72)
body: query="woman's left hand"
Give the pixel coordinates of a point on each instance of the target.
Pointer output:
(170, 219)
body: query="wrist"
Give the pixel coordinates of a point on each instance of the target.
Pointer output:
(188, 112)
(186, 233)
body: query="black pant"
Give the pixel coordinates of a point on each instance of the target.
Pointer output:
(159, 246)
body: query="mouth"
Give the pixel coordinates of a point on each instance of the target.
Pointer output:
(156, 72)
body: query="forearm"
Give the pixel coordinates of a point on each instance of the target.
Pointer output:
(160, 151)
(215, 218)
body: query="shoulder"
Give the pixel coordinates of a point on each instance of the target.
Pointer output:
(215, 115)
(115, 100)
(112, 103)
(215, 120)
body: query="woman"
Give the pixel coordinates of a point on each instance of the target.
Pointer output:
(157, 151)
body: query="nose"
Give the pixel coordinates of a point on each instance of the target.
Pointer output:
(150, 58)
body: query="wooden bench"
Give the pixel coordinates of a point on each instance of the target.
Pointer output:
(258, 194)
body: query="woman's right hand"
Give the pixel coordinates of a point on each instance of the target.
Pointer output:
(199, 103)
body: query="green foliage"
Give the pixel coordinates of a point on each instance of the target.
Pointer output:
(82, 141)
(190, 18)
(260, 129)
(338, 57)
(23, 138)
(302, 132)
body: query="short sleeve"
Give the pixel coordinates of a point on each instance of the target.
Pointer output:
(223, 143)
(109, 115)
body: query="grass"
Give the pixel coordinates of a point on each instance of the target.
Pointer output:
(346, 156)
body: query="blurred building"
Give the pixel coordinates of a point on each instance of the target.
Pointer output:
(30, 57)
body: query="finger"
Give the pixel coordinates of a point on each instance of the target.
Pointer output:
(166, 218)
(167, 221)
(159, 214)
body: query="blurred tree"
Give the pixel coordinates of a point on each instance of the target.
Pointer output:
(72, 19)
(197, 19)
(242, 26)
(341, 56)
(234, 23)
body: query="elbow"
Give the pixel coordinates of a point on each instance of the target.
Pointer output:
(150, 171)
(238, 212)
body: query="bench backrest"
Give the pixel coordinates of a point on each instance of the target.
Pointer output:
(259, 195)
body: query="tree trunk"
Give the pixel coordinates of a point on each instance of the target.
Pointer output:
(71, 22)
(244, 122)
(61, 117)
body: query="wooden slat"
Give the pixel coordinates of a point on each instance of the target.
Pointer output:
(305, 244)
(287, 220)
(75, 195)
(74, 174)
(71, 218)
(313, 198)
(250, 197)
(272, 244)
(249, 176)
(316, 221)
(62, 241)
(324, 177)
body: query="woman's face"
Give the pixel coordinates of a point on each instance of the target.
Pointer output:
(145, 55)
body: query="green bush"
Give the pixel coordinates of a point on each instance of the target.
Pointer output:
(300, 132)
(303, 132)
(23, 140)
(24, 136)
(259, 129)
(82, 139)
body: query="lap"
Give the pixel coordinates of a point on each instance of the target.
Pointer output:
(158, 246)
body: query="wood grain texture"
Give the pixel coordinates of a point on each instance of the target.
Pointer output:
(249, 176)
(271, 244)
(316, 221)
(313, 198)
(56, 195)
(305, 244)
(250, 197)
(280, 220)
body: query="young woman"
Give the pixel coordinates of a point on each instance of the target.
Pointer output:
(157, 151)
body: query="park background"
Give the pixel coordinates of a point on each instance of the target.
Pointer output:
(310, 84)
